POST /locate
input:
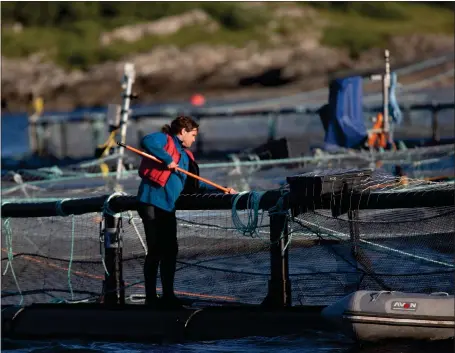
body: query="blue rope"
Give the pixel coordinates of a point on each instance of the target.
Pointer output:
(279, 207)
(106, 208)
(254, 199)
(394, 108)
(58, 208)
(71, 259)
(9, 245)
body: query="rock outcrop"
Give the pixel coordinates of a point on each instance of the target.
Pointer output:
(165, 26)
(168, 73)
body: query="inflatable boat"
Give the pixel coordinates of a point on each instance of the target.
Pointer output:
(383, 315)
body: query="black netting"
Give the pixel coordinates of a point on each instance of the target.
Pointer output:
(401, 249)
(50, 259)
(390, 235)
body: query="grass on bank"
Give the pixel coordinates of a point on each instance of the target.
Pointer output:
(358, 32)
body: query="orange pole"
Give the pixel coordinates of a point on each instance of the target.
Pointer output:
(146, 155)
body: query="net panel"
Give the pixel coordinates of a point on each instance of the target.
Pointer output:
(61, 258)
(409, 250)
(56, 258)
(383, 239)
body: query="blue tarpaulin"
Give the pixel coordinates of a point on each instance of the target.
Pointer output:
(343, 118)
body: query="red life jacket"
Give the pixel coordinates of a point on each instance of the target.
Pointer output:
(159, 172)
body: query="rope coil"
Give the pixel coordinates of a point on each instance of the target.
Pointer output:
(254, 198)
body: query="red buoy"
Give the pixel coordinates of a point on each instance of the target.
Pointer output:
(197, 99)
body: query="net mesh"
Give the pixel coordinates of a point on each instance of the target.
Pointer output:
(54, 255)
(84, 179)
(49, 259)
(401, 249)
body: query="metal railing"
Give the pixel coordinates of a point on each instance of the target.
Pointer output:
(98, 121)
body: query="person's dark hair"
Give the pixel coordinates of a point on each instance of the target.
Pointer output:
(179, 123)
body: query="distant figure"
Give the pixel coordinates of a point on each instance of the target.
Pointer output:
(197, 100)
(35, 105)
(160, 188)
(378, 137)
(36, 132)
(38, 106)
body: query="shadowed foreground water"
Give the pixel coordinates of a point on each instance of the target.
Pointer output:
(313, 342)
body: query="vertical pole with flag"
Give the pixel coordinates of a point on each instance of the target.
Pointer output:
(111, 239)
(385, 97)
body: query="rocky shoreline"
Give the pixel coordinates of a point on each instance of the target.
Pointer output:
(168, 73)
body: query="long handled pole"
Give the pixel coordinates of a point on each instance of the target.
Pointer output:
(143, 154)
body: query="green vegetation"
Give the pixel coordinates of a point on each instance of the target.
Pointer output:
(69, 32)
(358, 29)
(376, 10)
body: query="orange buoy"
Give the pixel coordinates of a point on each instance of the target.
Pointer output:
(197, 100)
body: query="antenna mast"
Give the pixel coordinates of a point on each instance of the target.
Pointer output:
(385, 95)
(127, 85)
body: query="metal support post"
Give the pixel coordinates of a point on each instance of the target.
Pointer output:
(113, 285)
(279, 290)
